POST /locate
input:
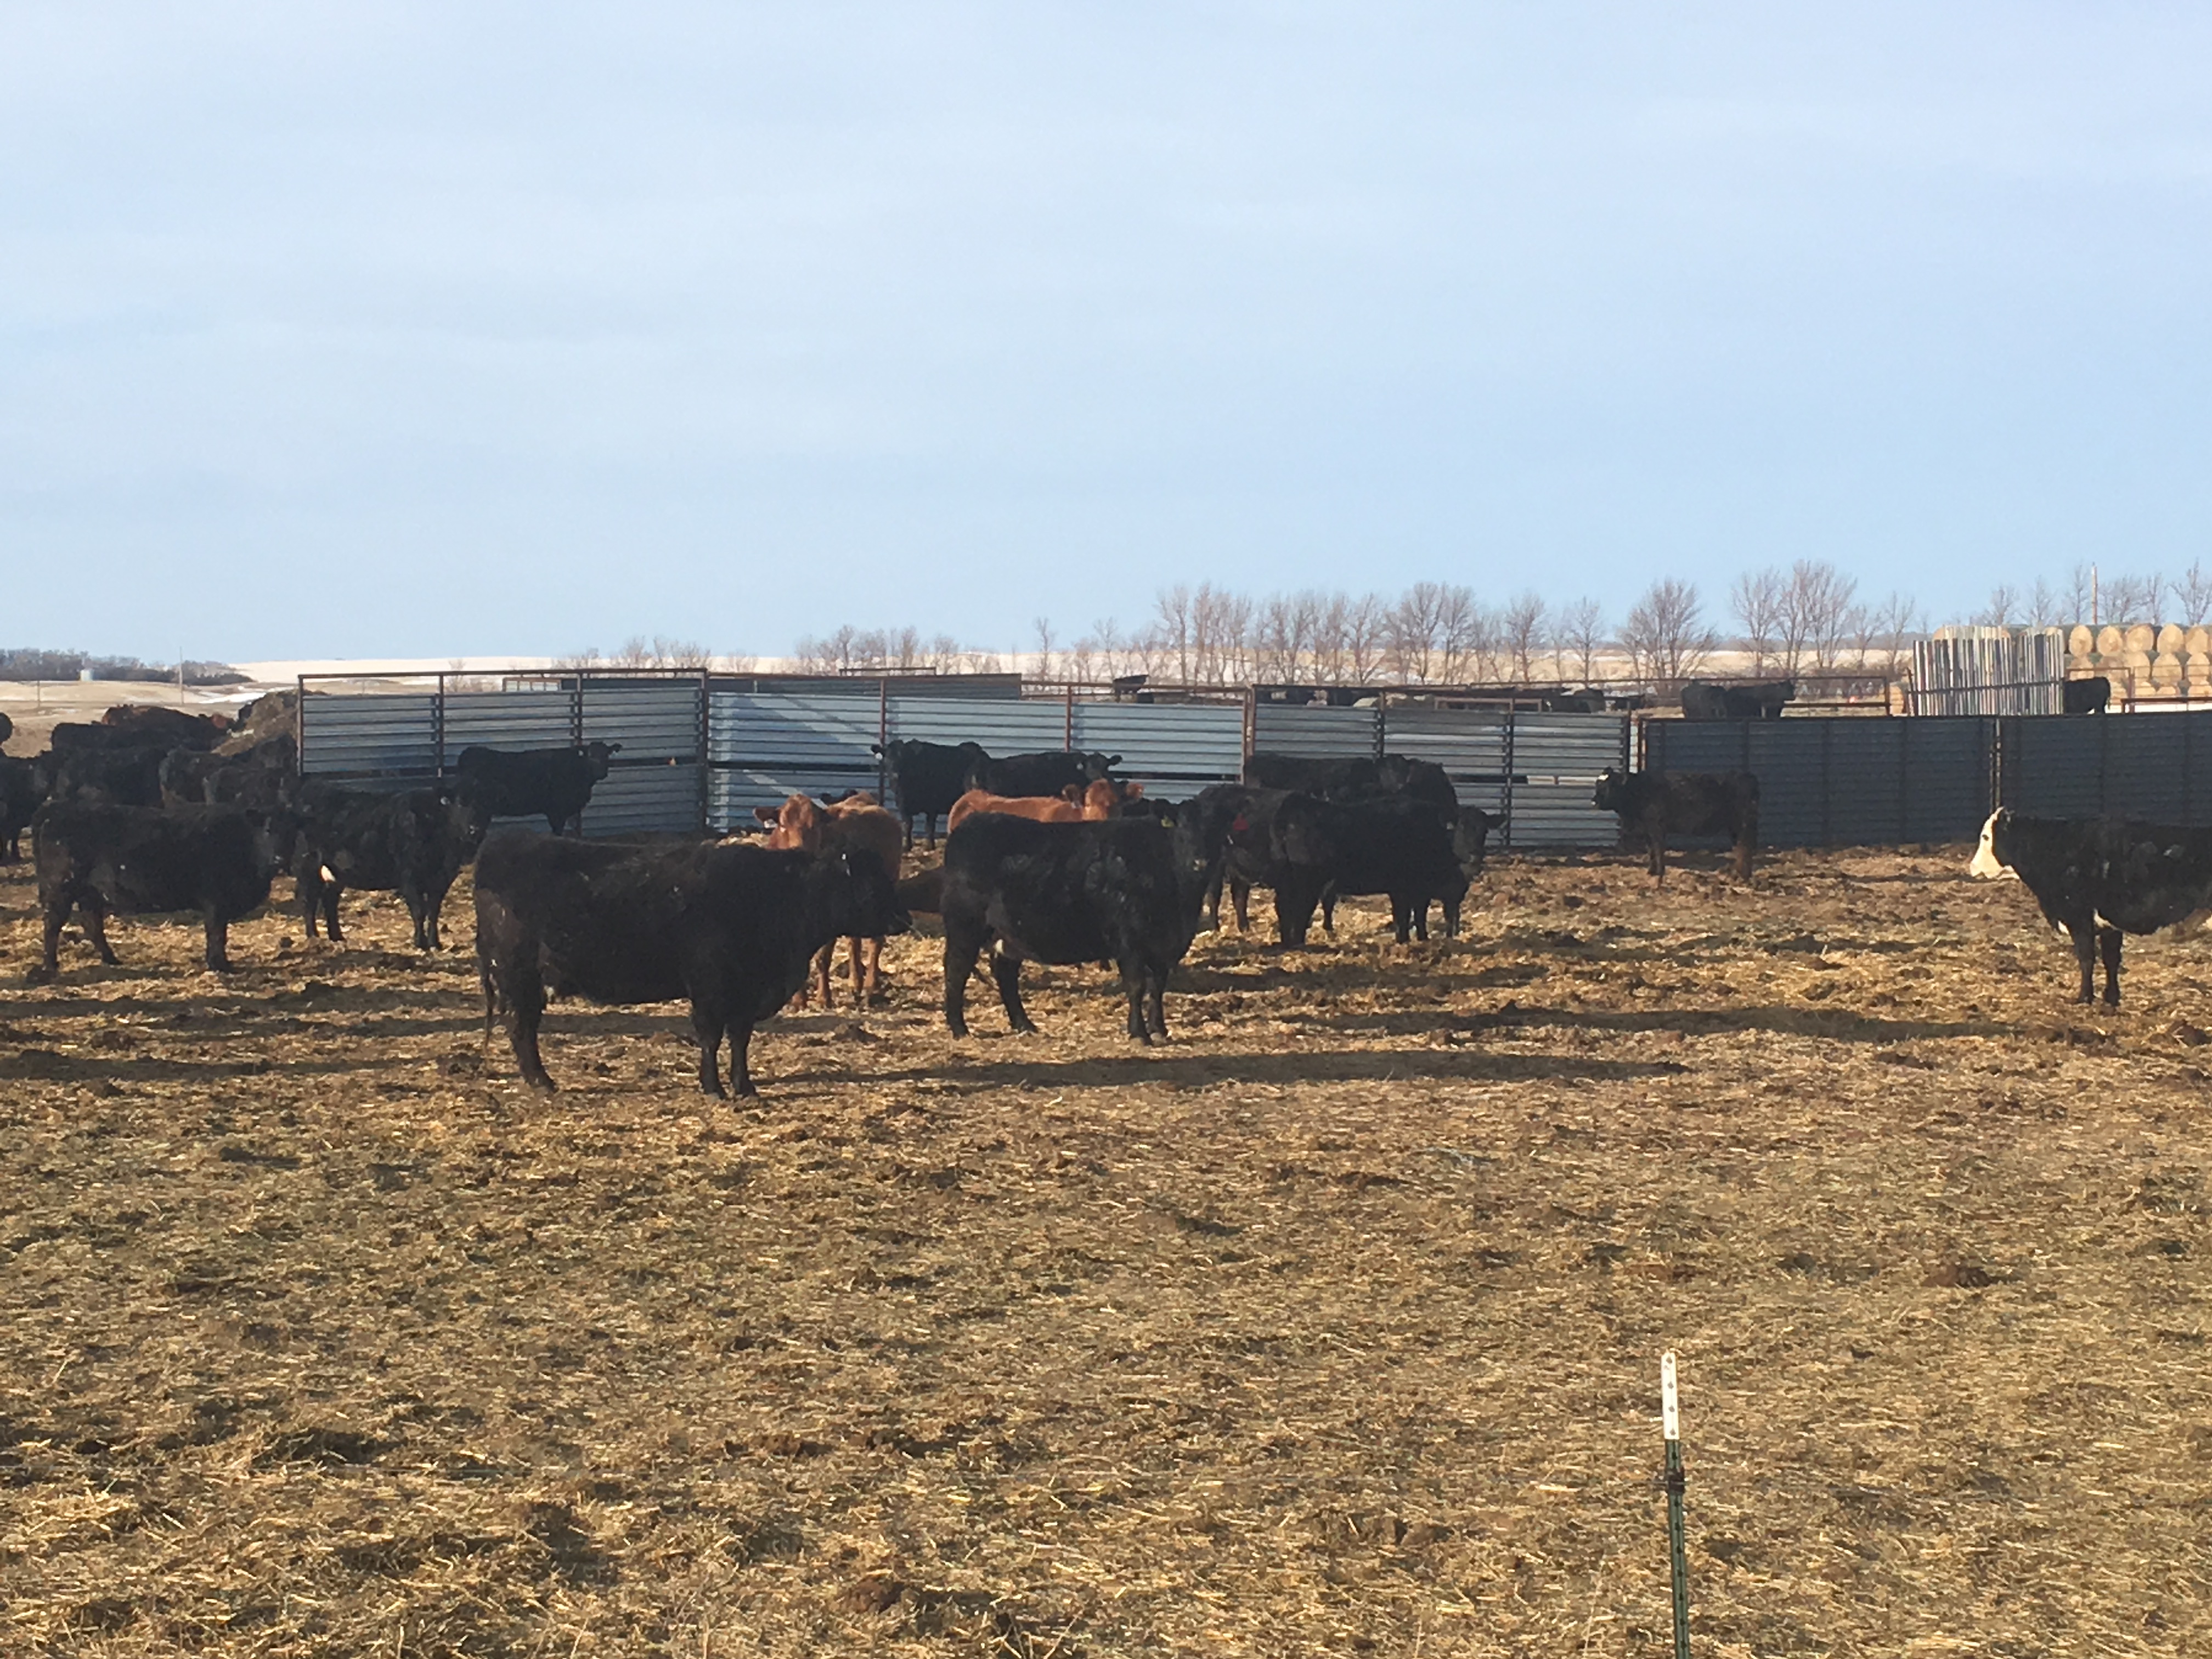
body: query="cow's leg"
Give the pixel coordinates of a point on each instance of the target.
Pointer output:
(410, 895)
(92, 909)
(1240, 897)
(1134, 986)
(1654, 838)
(1006, 971)
(868, 971)
(962, 946)
(218, 941)
(2085, 957)
(708, 1025)
(741, 1068)
(57, 912)
(307, 889)
(2110, 940)
(1156, 985)
(1451, 916)
(526, 1008)
(929, 821)
(1294, 909)
(433, 905)
(1209, 908)
(1743, 850)
(1328, 912)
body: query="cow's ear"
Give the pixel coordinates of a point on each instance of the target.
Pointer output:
(765, 814)
(1073, 791)
(1133, 792)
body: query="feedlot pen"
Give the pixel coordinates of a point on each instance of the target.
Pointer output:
(1330, 1326)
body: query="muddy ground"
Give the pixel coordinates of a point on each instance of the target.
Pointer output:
(1331, 1326)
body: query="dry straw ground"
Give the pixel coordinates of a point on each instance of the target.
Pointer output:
(1330, 1326)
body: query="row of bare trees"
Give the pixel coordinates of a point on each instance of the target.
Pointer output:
(2083, 597)
(1803, 620)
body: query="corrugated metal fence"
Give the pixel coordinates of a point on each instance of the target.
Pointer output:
(695, 750)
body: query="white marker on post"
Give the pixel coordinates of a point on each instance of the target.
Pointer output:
(1670, 1411)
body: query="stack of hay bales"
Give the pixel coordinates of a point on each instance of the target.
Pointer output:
(2143, 660)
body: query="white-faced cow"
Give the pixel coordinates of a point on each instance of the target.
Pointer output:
(2098, 879)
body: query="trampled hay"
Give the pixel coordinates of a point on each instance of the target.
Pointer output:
(1330, 1326)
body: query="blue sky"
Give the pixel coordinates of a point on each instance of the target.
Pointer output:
(416, 330)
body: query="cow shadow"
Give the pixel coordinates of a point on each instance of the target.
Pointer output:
(1835, 1024)
(1191, 1065)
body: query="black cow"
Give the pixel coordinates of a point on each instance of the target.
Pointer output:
(1759, 700)
(22, 792)
(143, 861)
(2098, 879)
(1224, 830)
(118, 777)
(1389, 845)
(1109, 891)
(1355, 778)
(1045, 773)
(556, 783)
(2086, 696)
(413, 843)
(928, 777)
(7, 728)
(1588, 702)
(731, 927)
(261, 777)
(140, 726)
(1654, 804)
(1470, 843)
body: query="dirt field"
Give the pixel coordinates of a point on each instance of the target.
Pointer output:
(1333, 1326)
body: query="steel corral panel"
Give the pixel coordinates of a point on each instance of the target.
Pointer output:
(1315, 731)
(816, 733)
(507, 719)
(383, 732)
(1173, 750)
(655, 720)
(1002, 727)
(1557, 761)
(645, 800)
(2147, 765)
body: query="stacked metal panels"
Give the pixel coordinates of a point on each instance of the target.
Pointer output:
(1990, 671)
(1845, 782)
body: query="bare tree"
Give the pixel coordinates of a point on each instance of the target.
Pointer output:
(1467, 634)
(1522, 624)
(1366, 638)
(2133, 599)
(2002, 610)
(1582, 633)
(1415, 627)
(2080, 594)
(1665, 634)
(2045, 607)
(2192, 595)
(1815, 603)
(1042, 628)
(1171, 639)
(1758, 599)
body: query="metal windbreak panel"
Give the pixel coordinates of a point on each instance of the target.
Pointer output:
(1947, 765)
(652, 719)
(1557, 761)
(2148, 758)
(1173, 749)
(1788, 758)
(2053, 764)
(764, 746)
(381, 733)
(1315, 731)
(510, 720)
(1002, 727)
(641, 800)
(1864, 782)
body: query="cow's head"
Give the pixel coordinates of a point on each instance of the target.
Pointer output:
(796, 824)
(1611, 791)
(1992, 859)
(601, 756)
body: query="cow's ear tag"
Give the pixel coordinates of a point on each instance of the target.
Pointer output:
(1240, 824)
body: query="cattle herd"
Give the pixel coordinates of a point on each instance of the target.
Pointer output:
(1049, 859)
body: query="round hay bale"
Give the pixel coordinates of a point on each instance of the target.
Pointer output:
(2197, 642)
(2166, 671)
(2172, 640)
(2143, 637)
(2080, 641)
(2111, 641)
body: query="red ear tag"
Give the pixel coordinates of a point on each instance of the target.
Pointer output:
(1240, 824)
